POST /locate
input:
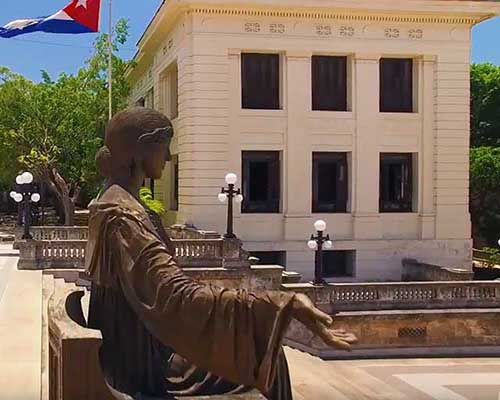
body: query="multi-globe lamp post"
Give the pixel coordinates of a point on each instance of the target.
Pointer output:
(319, 243)
(24, 195)
(228, 195)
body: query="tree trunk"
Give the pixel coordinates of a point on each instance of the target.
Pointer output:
(69, 210)
(63, 190)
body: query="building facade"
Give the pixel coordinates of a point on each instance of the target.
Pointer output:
(354, 112)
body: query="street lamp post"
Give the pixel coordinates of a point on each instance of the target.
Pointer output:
(319, 243)
(24, 198)
(228, 194)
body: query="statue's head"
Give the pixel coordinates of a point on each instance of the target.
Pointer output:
(135, 138)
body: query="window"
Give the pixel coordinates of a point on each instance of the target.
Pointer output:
(396, 182)
(141, 102)
(260, 81)
(174, 193)
(329, 83)
(329, 175)
(261, 181)
(270, 257)
(149, 101)
(152, 187)
(338, 263)
(170, 91)
(396, 85)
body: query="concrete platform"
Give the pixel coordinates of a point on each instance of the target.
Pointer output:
(408, 379)
(20, 330)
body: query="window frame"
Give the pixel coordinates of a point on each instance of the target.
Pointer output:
(273, 204)
(406, 203)
(275, 98)
(405, 104)
(169, 98)
(338, 105)
(341, 159)
(349, 264)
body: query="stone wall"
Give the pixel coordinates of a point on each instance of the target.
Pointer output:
(409, 333)
(416, 271)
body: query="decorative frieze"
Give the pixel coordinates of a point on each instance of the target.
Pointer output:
(335, 15)
(252, 27)
(323, 30)
(415, 33)
(277, 28)
(392, 33)
(346, 31)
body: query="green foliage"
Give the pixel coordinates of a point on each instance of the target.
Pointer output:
(492, 256)
(146, 196)
(485, 105)
(485, 192)
(59, 123)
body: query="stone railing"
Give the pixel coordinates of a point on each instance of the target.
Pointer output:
(82, 233)
(68, 254)
(53, 233)
(74, 368)
(189, 232)
(416, 271)
(334, 298)
(51, 254)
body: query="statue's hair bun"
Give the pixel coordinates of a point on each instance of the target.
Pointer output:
(103, 160)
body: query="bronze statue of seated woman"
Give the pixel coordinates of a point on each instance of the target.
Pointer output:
(165, 334)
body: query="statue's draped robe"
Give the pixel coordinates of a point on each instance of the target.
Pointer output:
(149, 313)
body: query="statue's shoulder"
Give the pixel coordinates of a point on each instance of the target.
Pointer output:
(117, 202)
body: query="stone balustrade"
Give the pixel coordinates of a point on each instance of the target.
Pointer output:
(67, 254)
(406, 319)
(81, 233)
(51, 254)
(188, 232)
(334, 298)
(53, 233)
(74, 368)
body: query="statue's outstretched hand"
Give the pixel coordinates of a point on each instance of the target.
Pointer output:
(320, 323)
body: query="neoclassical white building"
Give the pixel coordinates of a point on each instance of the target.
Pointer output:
(351, 111)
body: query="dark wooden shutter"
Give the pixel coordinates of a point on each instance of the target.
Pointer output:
(396, 85)
(336, 179)
(260, 81)
(268, 165)
(396, 182)
(329, 83)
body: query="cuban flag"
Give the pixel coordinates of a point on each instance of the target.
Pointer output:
(79, 16)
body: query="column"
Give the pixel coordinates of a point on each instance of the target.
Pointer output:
(297, 158)
(426, 183)
(365, 157)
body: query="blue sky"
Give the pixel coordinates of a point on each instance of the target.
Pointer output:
(27, 57)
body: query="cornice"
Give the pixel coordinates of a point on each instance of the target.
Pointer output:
(334, 15)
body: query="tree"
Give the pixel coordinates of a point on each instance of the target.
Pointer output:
(484, 195)
(485, 105)
(55, 127)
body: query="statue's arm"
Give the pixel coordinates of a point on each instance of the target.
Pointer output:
(232, 333)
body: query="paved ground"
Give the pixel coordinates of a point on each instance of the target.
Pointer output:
(424, 379)
(20, 329)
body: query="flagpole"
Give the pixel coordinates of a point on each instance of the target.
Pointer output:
(110, 62)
